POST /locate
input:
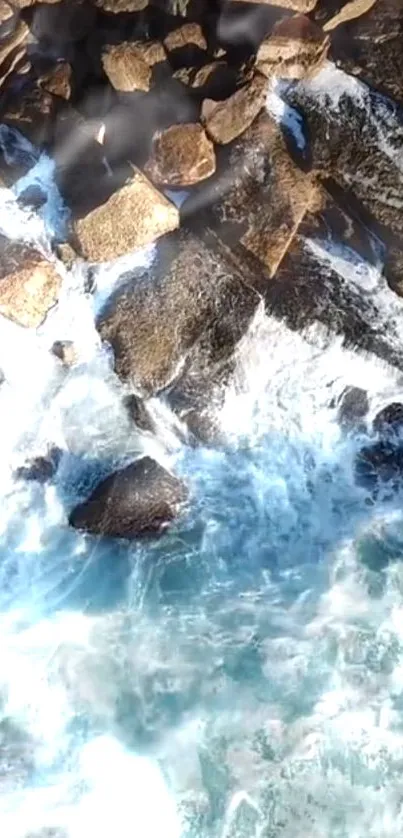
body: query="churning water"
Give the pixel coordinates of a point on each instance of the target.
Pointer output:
(243, 676)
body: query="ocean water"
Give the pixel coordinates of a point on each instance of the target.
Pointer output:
(242, 677)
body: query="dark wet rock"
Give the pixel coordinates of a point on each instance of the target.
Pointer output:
(256, 202)
(33, 197)
(126, 68)
(296, 48)
(389, 420)
(141, 499)
(29, 283)
(181, 156)
(381, 462)
(138, 412)
(224, 121)
(355, 137)
(134, 216)
(32, 112)
(65, 351)
(370, 46)
(189, 310)
(40, 469)
(64, 21)
(216, 80)
(353, 407)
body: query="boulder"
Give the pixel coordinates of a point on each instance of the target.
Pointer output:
(126, 68)
(355, 137)
(181, 156)
(65, 351)
(296, 47)
(389, 420)
(303, 6)
(370, 46)
(256, 202)
(29, 284)
(33, 197)
(352, 10)
(139, 500)
(380, 463)
(7, 16)
(32, 111)
(353, 406)
(41, 469)
(224, 121)
(138, 412)
(183, 318)
(131, 218)
(12, 47)
(216, 80)
(58, 80)
(121, 6)
(152, 52)
(190, 34)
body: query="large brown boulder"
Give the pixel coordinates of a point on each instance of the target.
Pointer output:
(134, 216)
(224, 121)
(29, 284)
(370, 46)
(126, 68)
(257, 201)
(185, 315)
(182, 156)
(296, 47)
(139, 500)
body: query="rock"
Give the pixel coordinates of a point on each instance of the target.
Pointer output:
(224, 121)
(303, 6)
(58, 80)
(6, 14)
(371, 46)
(132, 217)
(353, 407)
(352, 10)
(182, 156)
(380, 463)
(256, 202)
(66, 352)
(33, 197)
(121, 6)
(29, 284)
(152, 52)
(66, 254)
(389, 420)
(126, 68)
(184, 317)
(356, 138)
(190, 34)
(32, 111)
(65, 21)
(139, 500)
(41, 468)
(297, 47)
(11, 49)
(218, 80)
(139, 414)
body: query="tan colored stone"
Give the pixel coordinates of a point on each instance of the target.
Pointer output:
(12, 41)
(133, 217)
(190, 34)
(29, 284)
(224, 121)
(203, 76)
(66, 352)
(126, 68)
(182, 156)
(296, 48)
(118, 6)
(303, 6)
(352, 10)
(13, 63)
(6, 12)
(58, 81)
(152, 52)
(23, 4)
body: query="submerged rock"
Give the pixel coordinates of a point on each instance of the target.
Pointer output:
(40, 469)
(132, 217)
(29, 283)
(380, 463)
(389, 420)
(182, 156)
(353, 407)
(141, 499)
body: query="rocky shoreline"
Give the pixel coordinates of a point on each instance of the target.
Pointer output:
(211, 129)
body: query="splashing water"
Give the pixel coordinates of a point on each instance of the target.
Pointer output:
(243, 676)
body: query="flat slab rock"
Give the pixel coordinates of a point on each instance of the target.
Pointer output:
(182, 156)
(188, 312)
(29, 284)
(256, 203)
(139, 500)
(133, 217)
(227, 120)
(295, 48)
